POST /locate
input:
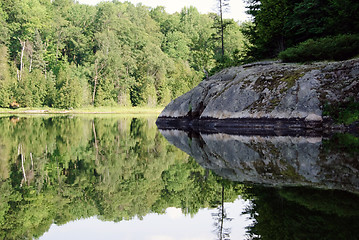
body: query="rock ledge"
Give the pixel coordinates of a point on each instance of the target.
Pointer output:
(272, 94)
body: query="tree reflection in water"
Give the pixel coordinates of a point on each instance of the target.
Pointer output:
(302, 213)
(59, 169)
(287, 180)
(220, 219)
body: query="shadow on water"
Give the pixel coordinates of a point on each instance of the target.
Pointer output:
(64, 168)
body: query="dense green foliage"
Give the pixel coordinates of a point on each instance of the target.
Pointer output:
(60, 169)
(340, 47)
(346, 112)
(63, 54)
(280, 24)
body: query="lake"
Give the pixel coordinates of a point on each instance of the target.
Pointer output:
(119, 177)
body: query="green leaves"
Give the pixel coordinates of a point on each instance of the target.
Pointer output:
(281, 24)
(337, 48)
(70, 94)
(111, 54)
(6, 82)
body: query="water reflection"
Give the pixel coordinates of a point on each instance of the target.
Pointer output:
(122, 170)
(299, 187)
(303, 213)
(172, 226)
(276, 160)
(59, 169)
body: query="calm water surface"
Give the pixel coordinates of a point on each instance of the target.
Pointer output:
(113, 177)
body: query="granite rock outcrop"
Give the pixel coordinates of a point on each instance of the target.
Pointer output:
(269, 90)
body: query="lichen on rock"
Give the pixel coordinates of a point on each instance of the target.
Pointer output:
(269, 90)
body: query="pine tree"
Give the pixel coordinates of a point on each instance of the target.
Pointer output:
(223, 6)
(69, 94)
(4, 31)
(38, 61)
(5, 78)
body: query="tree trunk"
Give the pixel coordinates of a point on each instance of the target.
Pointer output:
(222, 27)
(30, 64)
(98, 70)
(94, 90)
(23, 45)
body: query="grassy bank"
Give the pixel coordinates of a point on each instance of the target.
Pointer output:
(86, 110)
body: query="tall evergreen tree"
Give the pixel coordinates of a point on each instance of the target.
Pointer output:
(5, 78)
(4, 31)
(37, 58)
(69, 92)
(222, 6)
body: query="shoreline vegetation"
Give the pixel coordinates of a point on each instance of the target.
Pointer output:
(114, 56)
(86, 110)
(111, 54)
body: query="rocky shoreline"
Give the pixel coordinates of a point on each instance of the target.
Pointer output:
(266, 124)
(251, 126)
(267, 97)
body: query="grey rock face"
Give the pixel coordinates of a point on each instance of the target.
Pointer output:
(276, 161)
(269, 90)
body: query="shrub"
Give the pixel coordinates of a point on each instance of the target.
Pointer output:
(346, 112)
(337, 48)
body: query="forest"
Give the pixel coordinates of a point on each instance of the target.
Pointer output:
(64, 54)
(311, 29)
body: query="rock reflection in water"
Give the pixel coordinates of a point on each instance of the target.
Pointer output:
(272, 160)
(298, 187)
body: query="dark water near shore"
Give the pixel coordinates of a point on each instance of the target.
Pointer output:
(113, 177)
